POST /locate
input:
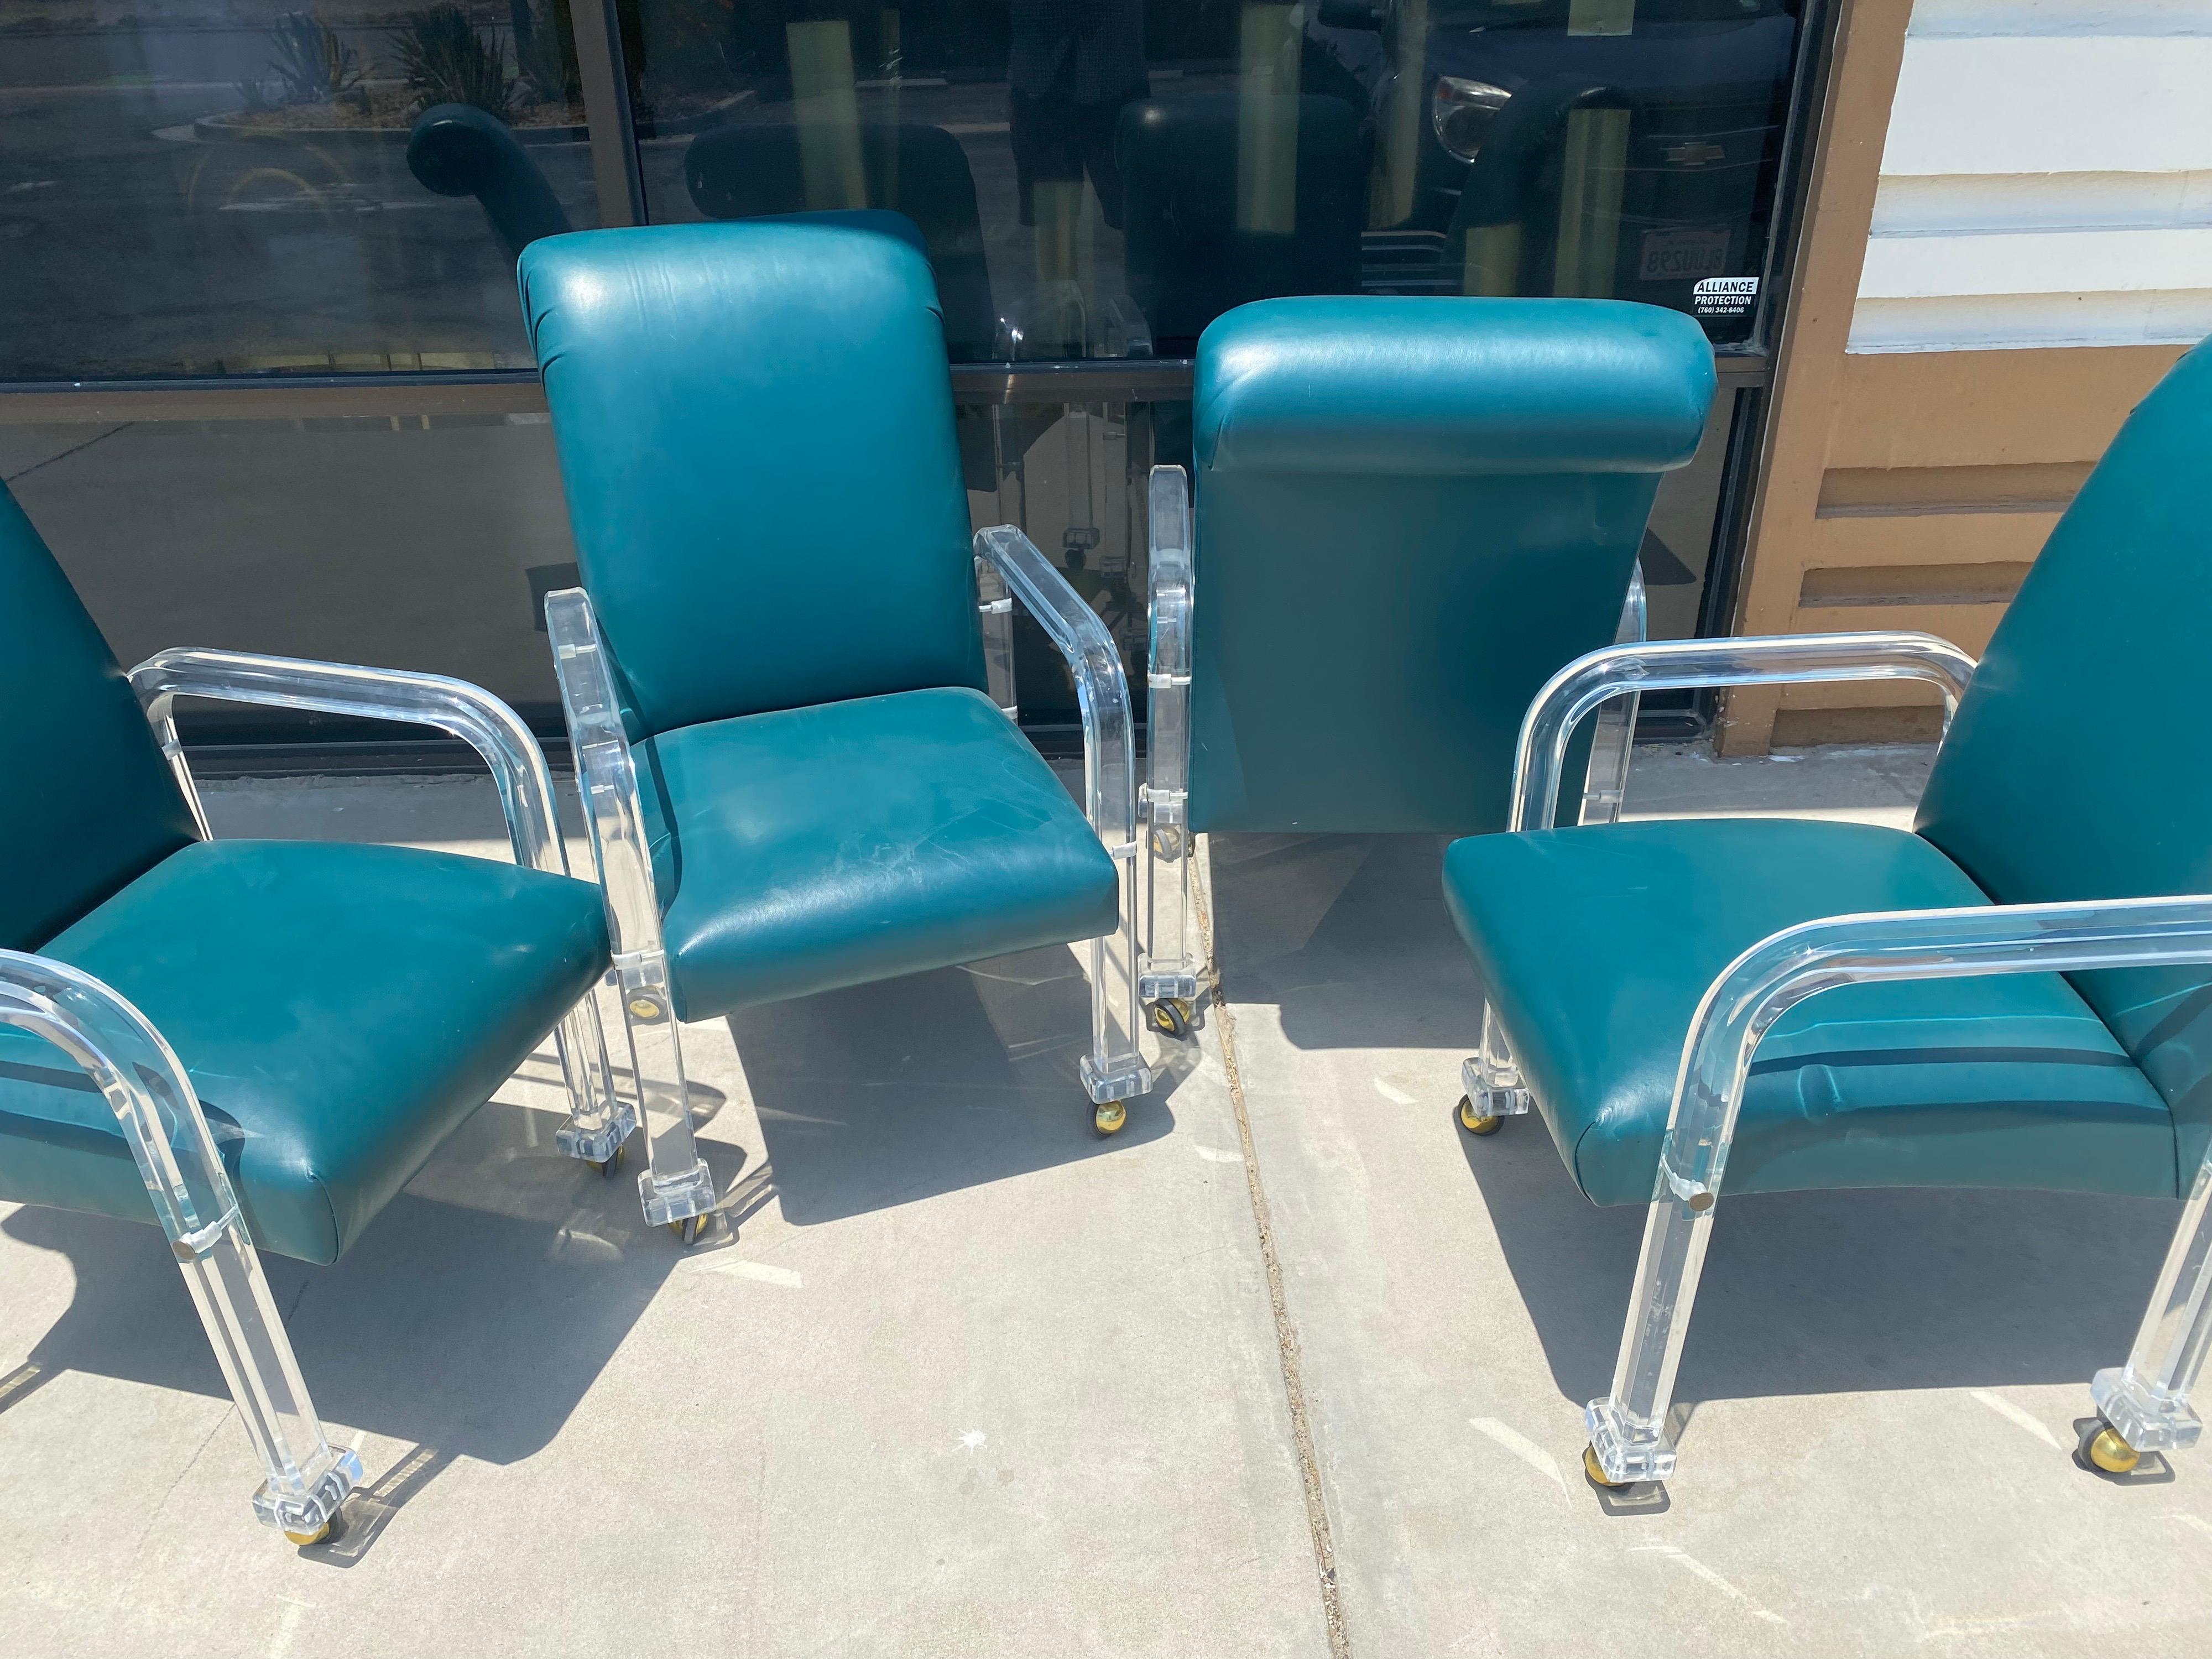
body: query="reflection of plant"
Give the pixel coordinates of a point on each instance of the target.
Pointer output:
(313, 63)
(545, 52)
(445, 61)
(688, 44)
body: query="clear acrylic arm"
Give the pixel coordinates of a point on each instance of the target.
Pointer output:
(1680, 665)
(676, 1186)
(1114, 1070)
(599, 1121)
(2147, 1401)
(147, 1087)
(994, 609)
(1172, 966)
(1613, 744)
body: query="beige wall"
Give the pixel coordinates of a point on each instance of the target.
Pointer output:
(1909, 489)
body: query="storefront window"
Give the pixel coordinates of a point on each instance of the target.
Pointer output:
(1104, 178)
(235, 187)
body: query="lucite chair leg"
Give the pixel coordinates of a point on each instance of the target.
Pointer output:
(600, 1122)
(306, 1478)
(1170, 974)
(1114, 1072)
(677, 1189)
(2145, 1403)
(1492, 1081)
(1628, 1437)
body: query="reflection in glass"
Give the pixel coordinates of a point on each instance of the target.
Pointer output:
(236, 186)
(1103, 178)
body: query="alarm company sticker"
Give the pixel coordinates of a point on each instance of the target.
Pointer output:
(1723, 297)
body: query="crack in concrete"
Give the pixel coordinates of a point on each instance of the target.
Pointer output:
(1286, 1335)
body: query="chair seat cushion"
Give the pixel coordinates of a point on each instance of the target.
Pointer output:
(1597, 944)
(341, 1009)
(810, 848)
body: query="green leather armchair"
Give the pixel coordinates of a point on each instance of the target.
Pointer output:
(1410, 512)
(774, 672)
(2017, 993)
(257, 1043)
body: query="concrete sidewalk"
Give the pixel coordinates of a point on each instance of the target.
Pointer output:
(964, 1380)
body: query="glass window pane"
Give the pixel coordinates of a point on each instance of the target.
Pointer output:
(1103, 178)
(230, 186)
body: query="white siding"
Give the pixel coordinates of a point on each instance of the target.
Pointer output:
(2047, 179)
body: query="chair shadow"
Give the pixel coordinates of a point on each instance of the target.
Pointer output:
(881, 1095)
(1802, 1293)
(466, 1331)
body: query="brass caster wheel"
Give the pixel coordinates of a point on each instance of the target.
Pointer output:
(1109, 1119)
(1167, 843)
(690, 1229)
(1171, 1017)
(613, 1161)
(1591, 1466)
(304, 1538)
(1473, 1122)
(2112, 1454)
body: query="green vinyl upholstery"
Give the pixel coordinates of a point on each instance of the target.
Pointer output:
(817, 848)
(1596, 945)
(2077, 767)
(1409, 515)
(340, 1008)
(754, 422)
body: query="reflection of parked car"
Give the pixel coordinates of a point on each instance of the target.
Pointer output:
(1703, 86)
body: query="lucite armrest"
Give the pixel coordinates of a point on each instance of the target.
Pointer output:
(1114, 1070)
(677, 1186)
(599, 1122)
(1102, 691)
(470, 712)
(2146, 1402)
(1682, 664)
(149, 1091)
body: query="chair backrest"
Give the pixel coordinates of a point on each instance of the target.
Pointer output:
(754, 426)
(757, 169)
(1410, 513)
(1202, 240)
(91, 804)
(2079, 765)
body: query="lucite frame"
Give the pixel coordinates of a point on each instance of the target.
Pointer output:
(2144, 1403)
(306, 1478)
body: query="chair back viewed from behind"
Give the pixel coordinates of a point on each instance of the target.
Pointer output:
(93, 805)
(1410, 513)
(755, 433)
(2080, 762)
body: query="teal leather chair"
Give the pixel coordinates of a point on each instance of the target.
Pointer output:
(2014, 994)
(773, 673)
(1410, 513)
(457, 149)
(256, 1043)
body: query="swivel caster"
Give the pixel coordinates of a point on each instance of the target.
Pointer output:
(613, 1161)
(2110, 1453)
(1167, 843)
(1171, 1017)
(1591, 1466)
(690, 1229)
(1108, 1118)
(1473, 1121)
(304, 1538)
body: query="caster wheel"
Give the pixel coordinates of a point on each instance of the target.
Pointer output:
(1109, 1119)
(1473, 1122)
(2112, 1454)
(1591, 1466)
(690, 1229)
(607, 1165)
(304, 1538)
(1167, 843)
(1171, 1017)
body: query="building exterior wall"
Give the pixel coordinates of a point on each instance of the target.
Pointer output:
(2011, 240)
